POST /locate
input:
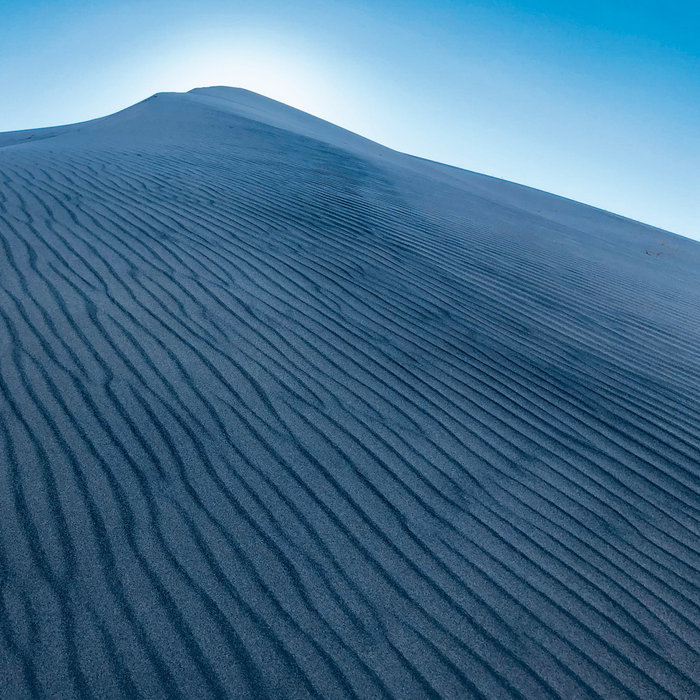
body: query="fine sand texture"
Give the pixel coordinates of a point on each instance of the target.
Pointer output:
(286, 414)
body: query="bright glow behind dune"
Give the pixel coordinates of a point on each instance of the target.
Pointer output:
(265, 64)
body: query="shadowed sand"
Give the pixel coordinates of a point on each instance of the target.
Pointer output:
(285, 413)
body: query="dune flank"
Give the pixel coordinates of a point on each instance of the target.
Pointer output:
(285, 413)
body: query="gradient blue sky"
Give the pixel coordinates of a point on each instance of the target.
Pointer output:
(597, 101)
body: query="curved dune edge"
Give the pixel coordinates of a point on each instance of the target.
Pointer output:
(287, 413)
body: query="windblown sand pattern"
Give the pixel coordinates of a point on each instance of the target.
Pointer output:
(284, 413)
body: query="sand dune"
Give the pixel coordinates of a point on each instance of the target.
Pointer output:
(286, 413)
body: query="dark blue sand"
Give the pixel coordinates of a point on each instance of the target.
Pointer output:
(284, 414)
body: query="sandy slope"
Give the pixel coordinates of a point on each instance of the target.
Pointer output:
(285, 413)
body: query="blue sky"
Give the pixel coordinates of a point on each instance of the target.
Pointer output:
(597, 101)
